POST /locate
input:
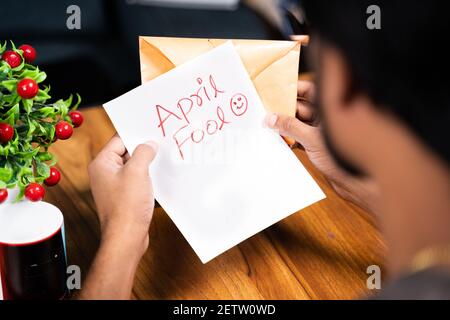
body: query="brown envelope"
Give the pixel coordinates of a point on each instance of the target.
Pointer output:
(272, 65)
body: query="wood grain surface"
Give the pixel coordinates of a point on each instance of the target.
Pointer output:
(321, 252)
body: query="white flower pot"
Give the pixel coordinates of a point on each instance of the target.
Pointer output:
(32, 250)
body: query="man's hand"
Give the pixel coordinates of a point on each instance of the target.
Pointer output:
(122, 190)
(305, 129)
(123, 193)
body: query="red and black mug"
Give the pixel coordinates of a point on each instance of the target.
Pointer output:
(32, 252)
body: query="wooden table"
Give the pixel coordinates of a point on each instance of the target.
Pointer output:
(321, 252)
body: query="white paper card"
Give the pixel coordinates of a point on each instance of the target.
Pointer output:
(219, 174)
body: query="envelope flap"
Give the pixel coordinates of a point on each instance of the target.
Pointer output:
(255, 54)
(152, 61)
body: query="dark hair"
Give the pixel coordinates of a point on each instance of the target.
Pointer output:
(404, 66)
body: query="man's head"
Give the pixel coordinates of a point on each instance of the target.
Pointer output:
(380, 87)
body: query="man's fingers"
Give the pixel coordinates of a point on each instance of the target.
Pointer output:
(305, 111)
(143, 155)
(305, 89)
(126, 157)
(291, 127)
(305, 98)
(115, 145)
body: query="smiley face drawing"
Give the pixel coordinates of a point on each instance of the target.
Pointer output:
(238, 104)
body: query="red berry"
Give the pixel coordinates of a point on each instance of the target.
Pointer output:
(3, 195)
(34, 192)
(54, 177)
(63, 130)
(29, 53)
(27, 88)
(6, 132)
(77, 118)
(13, 58)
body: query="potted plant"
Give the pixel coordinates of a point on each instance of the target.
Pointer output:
(31, 231)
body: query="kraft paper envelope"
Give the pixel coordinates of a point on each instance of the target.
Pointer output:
(271, 65)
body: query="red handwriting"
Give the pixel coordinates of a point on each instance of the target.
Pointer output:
(221, 116)
(186, 104)
(239, 104)
(178, 143)
(180, 117)
(197, 135)
(182, 106)
(161, 121)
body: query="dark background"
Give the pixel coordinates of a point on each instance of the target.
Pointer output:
(101, 61)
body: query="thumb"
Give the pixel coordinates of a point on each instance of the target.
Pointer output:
(291, 127)
(143, 155)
